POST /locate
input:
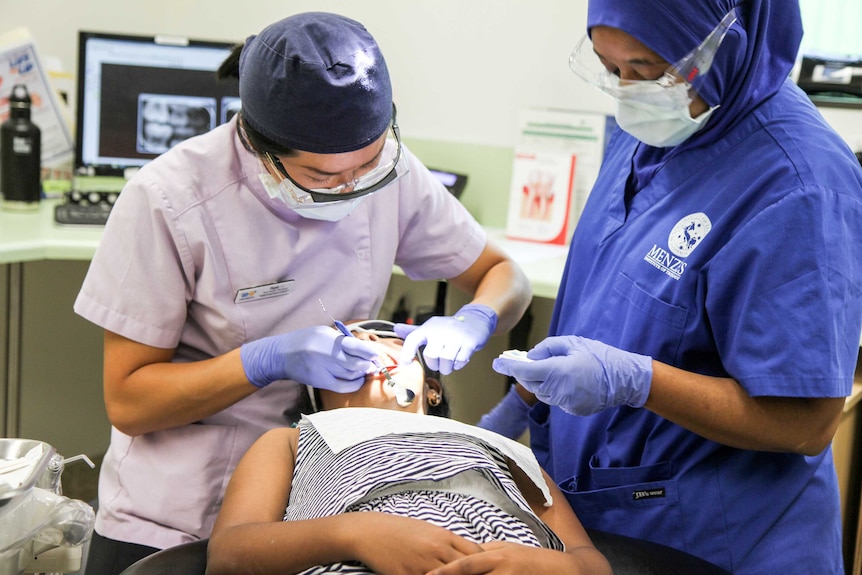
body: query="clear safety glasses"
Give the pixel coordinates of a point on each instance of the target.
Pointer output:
(383, 174)
(586, 64)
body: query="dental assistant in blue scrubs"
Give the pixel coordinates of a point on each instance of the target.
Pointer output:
(707, 326)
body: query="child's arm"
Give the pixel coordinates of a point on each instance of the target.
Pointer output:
(251, 536)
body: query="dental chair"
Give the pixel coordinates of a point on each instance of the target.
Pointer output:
(627, 556)
(185, 559)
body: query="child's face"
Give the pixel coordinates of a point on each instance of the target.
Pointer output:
(377, 392)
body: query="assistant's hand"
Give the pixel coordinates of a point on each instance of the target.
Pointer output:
(317, 356)
(449, 340)
(582, 376)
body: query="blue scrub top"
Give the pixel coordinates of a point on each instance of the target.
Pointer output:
(739, 259)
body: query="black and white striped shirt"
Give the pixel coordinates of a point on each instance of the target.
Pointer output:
(452, 480)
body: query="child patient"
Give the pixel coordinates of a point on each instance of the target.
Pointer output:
(369, 486)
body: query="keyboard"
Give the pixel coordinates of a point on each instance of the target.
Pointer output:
(89, 203)
(82, 214)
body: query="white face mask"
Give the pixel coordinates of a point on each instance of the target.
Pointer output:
(306, 207)
(658, 115)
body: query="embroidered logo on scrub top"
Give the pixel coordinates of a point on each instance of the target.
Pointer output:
(688, 233)
(684, 237)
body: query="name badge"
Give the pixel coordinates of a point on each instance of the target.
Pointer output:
(264, 291)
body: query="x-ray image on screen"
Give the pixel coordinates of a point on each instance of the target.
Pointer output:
(165, 120)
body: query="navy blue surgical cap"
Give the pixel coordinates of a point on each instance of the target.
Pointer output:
(315, 82)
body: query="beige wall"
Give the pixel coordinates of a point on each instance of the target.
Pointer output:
(461, 70)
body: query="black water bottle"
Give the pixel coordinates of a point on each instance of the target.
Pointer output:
(20, 154)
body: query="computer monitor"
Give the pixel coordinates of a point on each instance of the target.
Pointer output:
(453, 181)
(140, 95)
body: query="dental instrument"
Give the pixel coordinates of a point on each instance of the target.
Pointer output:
(403, 395)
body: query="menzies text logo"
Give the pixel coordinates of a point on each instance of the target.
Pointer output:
(684, 237)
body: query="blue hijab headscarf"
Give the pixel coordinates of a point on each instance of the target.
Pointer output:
(751, 65)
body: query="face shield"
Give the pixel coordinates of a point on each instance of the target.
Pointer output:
(677, 78)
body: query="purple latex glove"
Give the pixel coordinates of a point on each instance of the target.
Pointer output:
(449, 340)
(509, 418)
(582, 376)
(317, 356)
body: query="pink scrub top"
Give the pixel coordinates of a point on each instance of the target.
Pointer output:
(197, 257)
